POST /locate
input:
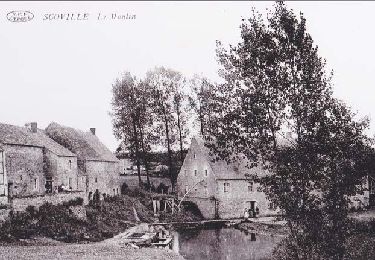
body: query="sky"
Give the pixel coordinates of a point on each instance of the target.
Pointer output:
(62, 70)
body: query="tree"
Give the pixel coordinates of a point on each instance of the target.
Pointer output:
(275, 82)
(162, 84)
(200, 99)
(181, 111)
(129, 115)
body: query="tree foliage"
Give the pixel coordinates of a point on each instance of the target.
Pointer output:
(276, 108)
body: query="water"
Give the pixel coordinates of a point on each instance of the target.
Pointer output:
(223, 244)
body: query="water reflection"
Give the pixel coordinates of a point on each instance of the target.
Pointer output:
(223, 243)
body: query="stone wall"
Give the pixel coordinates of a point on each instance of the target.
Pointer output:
(63, 171)
(205, 205)
(20, 204)
(24, 166)
(104, 177)
(240, 193)
(196, 175)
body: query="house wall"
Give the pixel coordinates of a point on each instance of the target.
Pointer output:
(196, 179)
(126, 166)
(104, 177)
(24, 166)
(193, 177)
(3, 180)
(232, 204)
(63, 170)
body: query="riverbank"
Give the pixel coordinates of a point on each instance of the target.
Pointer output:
(41, 248)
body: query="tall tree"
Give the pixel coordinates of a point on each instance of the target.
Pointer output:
(128, 114)
(200, 98)
(276, 82)
(162, 83)
(181, 110)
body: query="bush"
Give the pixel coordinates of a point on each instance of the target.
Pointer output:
(74, 202)
(124, 188)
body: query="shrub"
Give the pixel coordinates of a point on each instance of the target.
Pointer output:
(124, 188)
(74, 202)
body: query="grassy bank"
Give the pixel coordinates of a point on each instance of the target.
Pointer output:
(97, 222)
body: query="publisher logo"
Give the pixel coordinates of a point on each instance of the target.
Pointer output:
(20, 16)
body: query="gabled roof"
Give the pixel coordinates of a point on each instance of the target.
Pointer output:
(16, 135)
(86, 145)
(223, 170)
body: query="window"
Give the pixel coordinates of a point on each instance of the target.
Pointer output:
(226, 186)
(195, 155)
(70, 183)
(96, 179)
(195, 172)
(36, 184)
(20, 177)
(206, 173)
(70, 164)
(250, 187)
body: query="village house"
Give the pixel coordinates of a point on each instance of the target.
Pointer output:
(126, 164)
(219, 189)
(34, 165)
(223, 190)
(95, 161)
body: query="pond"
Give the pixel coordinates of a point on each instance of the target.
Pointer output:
(223, 244)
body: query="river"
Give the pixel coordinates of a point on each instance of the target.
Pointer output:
(223, 244)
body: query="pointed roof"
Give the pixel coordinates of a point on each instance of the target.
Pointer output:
(16, 135)
(86, 145)
(238, 169)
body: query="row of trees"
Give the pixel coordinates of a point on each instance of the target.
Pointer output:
(157, 113)
(275, 82)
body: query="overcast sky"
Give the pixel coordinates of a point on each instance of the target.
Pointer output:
(62, 71)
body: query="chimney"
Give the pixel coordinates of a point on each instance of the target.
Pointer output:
(92, 130)
(32, 127)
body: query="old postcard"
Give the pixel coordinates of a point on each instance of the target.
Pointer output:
(187, 130)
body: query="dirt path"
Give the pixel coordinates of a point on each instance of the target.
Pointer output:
(112, 248)
(95, 251)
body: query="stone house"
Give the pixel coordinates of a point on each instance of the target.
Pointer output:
(126, 166)
(35, 164)
(219, 189)
(223, 190)
(95, 161)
